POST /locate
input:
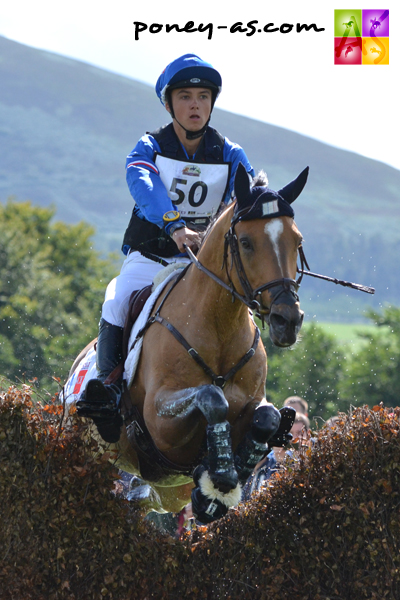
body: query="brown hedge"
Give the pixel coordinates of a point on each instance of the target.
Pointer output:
(327, 529)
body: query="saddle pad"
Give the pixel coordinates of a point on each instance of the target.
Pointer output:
(132, 360)
(85, 371)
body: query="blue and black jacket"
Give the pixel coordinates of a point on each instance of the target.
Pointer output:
(150, 195)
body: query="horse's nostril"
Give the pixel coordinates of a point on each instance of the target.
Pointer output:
(279, 321)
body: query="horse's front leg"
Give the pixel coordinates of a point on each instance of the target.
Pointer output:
(216, 480)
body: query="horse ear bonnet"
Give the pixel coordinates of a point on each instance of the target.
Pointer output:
(260, 202)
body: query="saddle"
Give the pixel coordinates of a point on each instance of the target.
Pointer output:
(136, 303)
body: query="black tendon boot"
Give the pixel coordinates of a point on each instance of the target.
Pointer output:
(100, 401)
(270, 428)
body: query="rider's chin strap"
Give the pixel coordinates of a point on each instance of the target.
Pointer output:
(193, 135)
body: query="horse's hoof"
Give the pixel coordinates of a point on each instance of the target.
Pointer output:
(206, 510)
(225, 481)
(230, 497)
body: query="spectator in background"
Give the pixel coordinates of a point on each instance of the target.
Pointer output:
(299, 404)
(272, 462)
(333, 421)
(299, 431)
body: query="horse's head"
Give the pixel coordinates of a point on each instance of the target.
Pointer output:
(264, 243)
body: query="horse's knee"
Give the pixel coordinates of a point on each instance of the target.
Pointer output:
(210, 400)
(266, 421)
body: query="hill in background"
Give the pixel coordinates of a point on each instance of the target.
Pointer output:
(66, 128)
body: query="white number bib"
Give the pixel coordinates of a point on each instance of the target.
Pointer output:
(196, 189)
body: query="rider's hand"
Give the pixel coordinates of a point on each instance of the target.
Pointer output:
(186, 236)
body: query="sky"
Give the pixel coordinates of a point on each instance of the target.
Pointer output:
(286, 79)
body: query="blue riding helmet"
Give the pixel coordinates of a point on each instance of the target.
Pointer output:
(188, 70)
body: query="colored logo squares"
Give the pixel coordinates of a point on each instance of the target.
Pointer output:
(361, 37)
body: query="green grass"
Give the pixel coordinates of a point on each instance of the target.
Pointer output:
(346, 334)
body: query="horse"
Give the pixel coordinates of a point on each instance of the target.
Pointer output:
(196, 420)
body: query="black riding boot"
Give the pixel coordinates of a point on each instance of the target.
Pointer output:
(100, 401)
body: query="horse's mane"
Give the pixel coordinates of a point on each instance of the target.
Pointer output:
(221, 211)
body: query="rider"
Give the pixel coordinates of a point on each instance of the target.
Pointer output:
(179, 176)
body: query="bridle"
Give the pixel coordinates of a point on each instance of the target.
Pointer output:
(277, 287)
(284, 284)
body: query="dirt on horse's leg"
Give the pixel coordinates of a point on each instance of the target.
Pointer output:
(254, 447)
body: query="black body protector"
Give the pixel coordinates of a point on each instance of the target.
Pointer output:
(196, 188)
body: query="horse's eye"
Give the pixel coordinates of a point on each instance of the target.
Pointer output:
(245, 243)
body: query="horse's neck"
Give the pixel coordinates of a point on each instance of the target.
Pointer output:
(210, 298)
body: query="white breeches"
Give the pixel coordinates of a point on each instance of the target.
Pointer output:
(137, 271)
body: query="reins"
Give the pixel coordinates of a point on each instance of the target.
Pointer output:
(248, 297)
(218, 380)
(355, 286)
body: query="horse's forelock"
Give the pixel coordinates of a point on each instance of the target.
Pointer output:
(260, 180)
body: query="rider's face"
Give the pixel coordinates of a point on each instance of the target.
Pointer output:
(192, 107)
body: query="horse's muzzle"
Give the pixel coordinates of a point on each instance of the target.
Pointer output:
(285, 322)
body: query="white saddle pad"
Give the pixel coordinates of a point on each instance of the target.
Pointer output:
(132, 361)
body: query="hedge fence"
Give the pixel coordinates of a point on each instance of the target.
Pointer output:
(327, 528)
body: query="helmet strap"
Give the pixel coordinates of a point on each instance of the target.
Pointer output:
(193, 135)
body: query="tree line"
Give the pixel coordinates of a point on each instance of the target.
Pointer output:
(52, 287)
(332, 377)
